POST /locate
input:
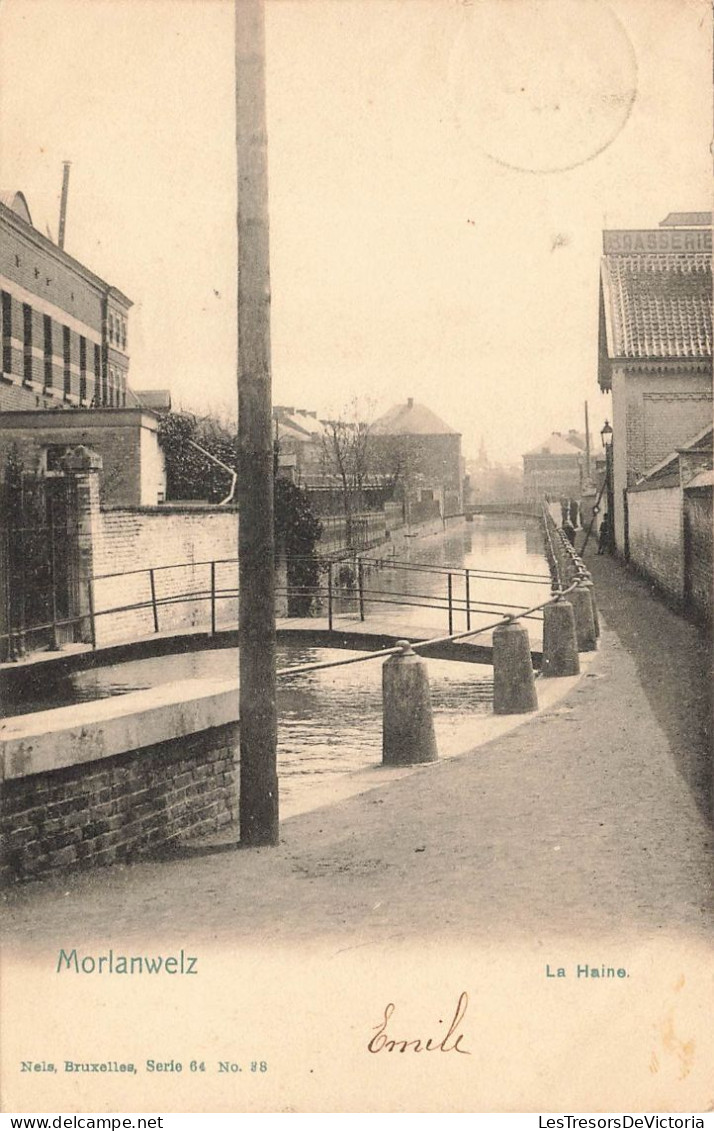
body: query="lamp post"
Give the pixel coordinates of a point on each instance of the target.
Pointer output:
(606, 437)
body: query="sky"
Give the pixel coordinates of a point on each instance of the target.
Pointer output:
(440, 175)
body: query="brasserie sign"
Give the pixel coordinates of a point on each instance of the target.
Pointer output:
(659, 240)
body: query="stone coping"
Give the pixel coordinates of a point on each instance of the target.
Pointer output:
(89, 732)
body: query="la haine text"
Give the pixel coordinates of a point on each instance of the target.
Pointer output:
(585, 971)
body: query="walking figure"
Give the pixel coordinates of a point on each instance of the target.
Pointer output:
(603, 538)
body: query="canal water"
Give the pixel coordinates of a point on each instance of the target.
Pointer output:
(415, 600)
(331, 720)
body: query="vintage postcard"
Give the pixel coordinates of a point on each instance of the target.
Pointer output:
(455, 255)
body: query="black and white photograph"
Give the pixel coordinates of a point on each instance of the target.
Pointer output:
(356, 470)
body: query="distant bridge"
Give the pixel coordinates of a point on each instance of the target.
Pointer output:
(517, 506)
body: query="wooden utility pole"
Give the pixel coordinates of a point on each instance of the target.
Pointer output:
(259, 823)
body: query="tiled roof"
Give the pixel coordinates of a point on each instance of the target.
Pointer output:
(287, 430)
(658, 306)
(411, 419)
(15, 200)
(556, 445)
(299, 420)
(687, 220)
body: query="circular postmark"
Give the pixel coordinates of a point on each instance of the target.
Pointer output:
(541, 85)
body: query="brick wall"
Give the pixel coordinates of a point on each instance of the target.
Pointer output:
(126, 439)
(41, 269)
(115, 778)
(655, 527)
(664, 411)
(132, 539)
(553, 475)
(120, 807)
(19, 398)
(699, 532)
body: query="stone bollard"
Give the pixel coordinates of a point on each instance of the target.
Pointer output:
(588, 581)
(584, 622)
(514, 691)
(560, 645)
(407, 725)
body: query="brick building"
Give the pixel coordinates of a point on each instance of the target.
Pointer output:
(556, 467)
(64, 330)
(655, 345)
(134, 471)
(64, 335)
(300, 437)
(423, 451)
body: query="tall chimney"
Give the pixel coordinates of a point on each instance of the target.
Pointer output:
(63, 202)
(587, 442)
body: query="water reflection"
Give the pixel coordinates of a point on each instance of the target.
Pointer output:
(331, 720)
(401, 595)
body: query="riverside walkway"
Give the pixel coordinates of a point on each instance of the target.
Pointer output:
(593, 811)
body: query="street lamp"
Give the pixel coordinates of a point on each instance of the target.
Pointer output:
(606, 437)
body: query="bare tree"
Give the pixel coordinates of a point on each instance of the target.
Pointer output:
(396, 460)
(347, 456)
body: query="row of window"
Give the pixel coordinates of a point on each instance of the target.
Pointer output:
(117, 329)
(108, 386)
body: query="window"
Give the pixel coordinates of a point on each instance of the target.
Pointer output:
(27, 341)
(6, 332)
(67, 371)
(48, 351)
(97, 374)
(82, 369)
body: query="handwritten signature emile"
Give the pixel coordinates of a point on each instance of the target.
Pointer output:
(450, 1042)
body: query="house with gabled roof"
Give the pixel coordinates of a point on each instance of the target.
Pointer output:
(655, 345)
(425, 450)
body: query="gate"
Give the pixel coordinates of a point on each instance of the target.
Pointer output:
(39, 548)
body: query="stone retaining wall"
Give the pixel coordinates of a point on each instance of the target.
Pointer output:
(113, 779)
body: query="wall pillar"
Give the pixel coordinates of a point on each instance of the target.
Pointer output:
(82, 467)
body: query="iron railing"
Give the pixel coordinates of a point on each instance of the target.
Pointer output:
(334, 596)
